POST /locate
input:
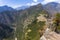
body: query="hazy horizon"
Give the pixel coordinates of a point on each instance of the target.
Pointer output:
(19, 3)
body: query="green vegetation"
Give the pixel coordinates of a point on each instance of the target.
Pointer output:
(26, 15)
(57, 23)
(36, 30)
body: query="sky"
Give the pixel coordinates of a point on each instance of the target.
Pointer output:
(20, 3)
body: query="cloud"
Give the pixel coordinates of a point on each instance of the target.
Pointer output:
(31, 4)
(47, 1)
(15, 6)
(35, 0)
(27, 4)
(58, 1)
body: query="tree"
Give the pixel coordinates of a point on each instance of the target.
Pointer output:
(5, 31)
(57, 22)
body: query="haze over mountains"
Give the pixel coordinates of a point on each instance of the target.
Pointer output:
(23, 7)
(21, 16)
(8, 14)
(51, 7)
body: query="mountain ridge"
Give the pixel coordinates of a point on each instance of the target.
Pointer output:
(52, 7)
(6, 8)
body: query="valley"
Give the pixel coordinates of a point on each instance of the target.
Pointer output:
(38, 22)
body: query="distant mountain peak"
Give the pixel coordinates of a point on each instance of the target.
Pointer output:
(52, 7)
(6, 8)
(53, 3)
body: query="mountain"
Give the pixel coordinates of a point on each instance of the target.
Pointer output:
(52, 7)
(25, 17)
(22, 8)
(7, 22)
(5, 31)
(7, 17)
(19, 19)
(6, 8)
(7, 14)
